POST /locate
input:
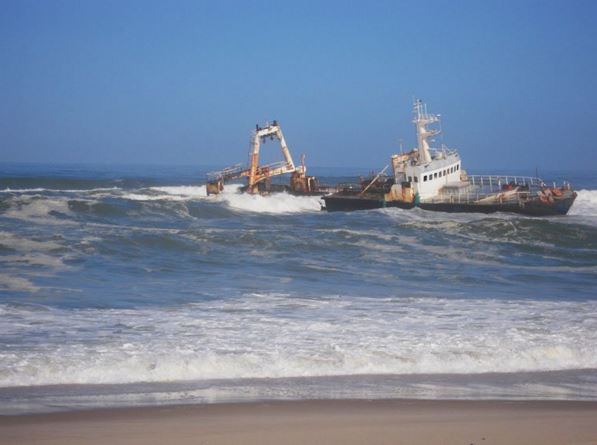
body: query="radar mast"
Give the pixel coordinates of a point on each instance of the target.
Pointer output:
(421, 119)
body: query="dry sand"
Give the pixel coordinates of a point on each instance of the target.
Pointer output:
(316, 422)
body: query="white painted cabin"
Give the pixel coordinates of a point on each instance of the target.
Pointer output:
(427, 170)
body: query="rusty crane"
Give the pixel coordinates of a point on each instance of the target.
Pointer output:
(259, 176)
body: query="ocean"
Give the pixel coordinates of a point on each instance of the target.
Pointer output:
(130, 286)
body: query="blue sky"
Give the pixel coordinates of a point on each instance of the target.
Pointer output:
(185, 82)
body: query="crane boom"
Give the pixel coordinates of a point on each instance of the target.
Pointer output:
(256, 173)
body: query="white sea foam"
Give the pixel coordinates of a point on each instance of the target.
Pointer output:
(31, 258)
(585, 204)
(19, 243)
(40, 189)
(39, 209)
(13, 283)
(284, 336)
(35, 259)
(185, 191)
(168, 193)
(231, 197)
(145, 197)
(358, 234)
(25, 190)
(274, 203)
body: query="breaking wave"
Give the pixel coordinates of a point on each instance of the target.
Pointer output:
(275, 203)
(172, 193)
(585, 204)
(37, 190)
(25, 205)
(38, 208)
(38, 202)
(151, 280)
(274, 335)
(186, 191)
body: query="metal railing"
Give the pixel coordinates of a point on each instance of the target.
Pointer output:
(274, 165)
(349, 187)
(482, 198)
(500, 180)
(226, 172)
(492, 189)
(444, 150)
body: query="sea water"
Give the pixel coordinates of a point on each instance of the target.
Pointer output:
(131, 286)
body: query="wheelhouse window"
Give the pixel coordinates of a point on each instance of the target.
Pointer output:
(416, 179)
(425, 178)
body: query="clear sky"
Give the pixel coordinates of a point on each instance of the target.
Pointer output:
(185, 82)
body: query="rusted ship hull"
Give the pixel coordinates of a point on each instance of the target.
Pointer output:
(534, 207)
(346, 203)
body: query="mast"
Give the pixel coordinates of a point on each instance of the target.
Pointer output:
(421, 119)
(258, 173)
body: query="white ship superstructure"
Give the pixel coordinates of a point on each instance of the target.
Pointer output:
(427, 169)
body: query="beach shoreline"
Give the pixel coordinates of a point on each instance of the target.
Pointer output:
(316, 421)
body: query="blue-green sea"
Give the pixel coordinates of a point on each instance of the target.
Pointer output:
(130, 286)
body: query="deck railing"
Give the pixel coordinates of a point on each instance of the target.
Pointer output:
(274, 165)
(500, 180)
(444, 150)
(490, 189)
(225, 173)
(349, 187)
(483, 198)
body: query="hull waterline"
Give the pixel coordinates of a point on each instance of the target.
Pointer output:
(536, 207)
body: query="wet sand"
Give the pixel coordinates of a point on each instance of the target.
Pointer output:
(316, 422)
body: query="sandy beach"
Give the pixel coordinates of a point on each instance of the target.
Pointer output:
(322, 421)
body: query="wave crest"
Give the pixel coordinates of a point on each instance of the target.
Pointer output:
(258, 336)
(585, 204)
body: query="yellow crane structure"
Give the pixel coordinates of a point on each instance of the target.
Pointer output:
(258, 176)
